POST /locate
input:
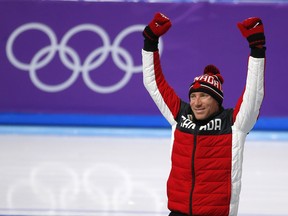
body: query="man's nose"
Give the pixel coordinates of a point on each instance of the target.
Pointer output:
(198, 101)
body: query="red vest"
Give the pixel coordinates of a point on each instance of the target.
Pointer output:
(200, 177)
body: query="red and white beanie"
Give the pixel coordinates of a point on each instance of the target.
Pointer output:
(210, 82)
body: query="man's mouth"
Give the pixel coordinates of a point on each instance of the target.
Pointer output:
(199, 110)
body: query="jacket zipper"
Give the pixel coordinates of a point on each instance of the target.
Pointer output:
(193, 168)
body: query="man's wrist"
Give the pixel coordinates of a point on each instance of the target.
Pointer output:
(151, 46)
(257, 52)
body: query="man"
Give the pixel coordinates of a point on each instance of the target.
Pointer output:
(208, 140)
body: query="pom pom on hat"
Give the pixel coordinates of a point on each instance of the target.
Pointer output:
(213, 70)
(210, 82)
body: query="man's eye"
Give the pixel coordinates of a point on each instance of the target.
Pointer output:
(204, 95)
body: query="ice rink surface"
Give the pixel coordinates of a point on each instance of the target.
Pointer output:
(120, 172)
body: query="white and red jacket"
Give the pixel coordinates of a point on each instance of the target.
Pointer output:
(205, 177)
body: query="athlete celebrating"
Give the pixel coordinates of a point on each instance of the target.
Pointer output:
(208, 140)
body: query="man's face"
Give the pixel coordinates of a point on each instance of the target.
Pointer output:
(203, 105)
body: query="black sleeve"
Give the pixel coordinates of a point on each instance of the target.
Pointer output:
(258, 52)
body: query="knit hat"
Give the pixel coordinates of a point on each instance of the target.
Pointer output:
(210, 82)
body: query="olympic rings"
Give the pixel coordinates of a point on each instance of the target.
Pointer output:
(71, 60)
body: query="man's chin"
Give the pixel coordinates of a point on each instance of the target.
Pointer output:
(200, 116)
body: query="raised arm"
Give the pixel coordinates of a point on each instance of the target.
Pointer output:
(154, 81)
(248, 107)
